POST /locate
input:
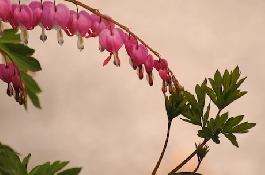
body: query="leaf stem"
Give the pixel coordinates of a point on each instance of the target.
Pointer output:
(164, 149)
(187, 159)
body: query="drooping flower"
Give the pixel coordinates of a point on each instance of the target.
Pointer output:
(22, 18)
(112, 41)
(9, 74)
(5, 13)
(149, 65)
(138, 54)
(99, 24)
(55, 17)
(79, 24)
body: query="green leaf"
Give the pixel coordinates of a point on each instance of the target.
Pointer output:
(10, 36)
(21, 55)
(11, 162)
(232, 138)
(26, 161)
(206, 116)
(30, 83)
(175, 104)
(205, 133)
(71, 171)
(242, 127)
(32, 88)
(48, 169)
(231, 122)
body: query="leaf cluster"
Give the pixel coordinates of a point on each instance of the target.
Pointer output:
(10, 164)
(222, 91)
(21, 56)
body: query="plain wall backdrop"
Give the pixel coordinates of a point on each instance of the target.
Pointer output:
(109, 122)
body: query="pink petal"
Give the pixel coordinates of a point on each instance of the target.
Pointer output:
(5, 10)
(71, 28)
(112, 41)
(47, 16)
(84, 22)
(62, 15)
(36, 8)
(107, 60)
(149, 63)
(25, 16)
(138, 54)
(163, 74)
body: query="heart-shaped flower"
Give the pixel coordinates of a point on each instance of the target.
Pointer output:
(22, 18)
(5, 13)
(112, 41)
(79, 24)
(55, 17)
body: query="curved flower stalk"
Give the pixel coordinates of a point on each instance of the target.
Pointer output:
(49, 15)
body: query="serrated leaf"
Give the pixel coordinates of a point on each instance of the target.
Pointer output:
(30, 83)
(11, 161)
(206, 116)
(71, 171)
(232, 138)
(56, 166)
(26, 161)
(242, 127)
(40, 169)
(205, 133)
(220, 121)
(231, 122)
(211, 94)
(10, 36)
(21, 55)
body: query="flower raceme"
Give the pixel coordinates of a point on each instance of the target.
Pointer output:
(9, 74)
(49, 15)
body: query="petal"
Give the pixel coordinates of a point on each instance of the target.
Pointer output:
(24, 36)
(84, 22)
(60, 37)
(107, 60)
(149, 63)
(5, 10)
(71, 28)
(25, 16)
(80, 43)
(62, 16)
(47, 16)
(43, 36)
(111, 41)
(36, 8)
(163, 74)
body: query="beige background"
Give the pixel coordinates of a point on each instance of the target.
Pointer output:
(109, 122)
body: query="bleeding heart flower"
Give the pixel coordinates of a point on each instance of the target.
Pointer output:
(5, 13)
(99, 24)
(22, 18)
(149, 65)
(79, 24)
(55, 17)
(112, 41)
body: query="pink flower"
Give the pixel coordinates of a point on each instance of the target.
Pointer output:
(55, 17)
(79, 25)
(5, 13)
(22, 18)
(7, 72)
(149, 65)
(138, 54)
(99, 24)
(112, 41)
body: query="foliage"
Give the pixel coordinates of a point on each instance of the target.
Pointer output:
(10, 164)
(21, 55)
